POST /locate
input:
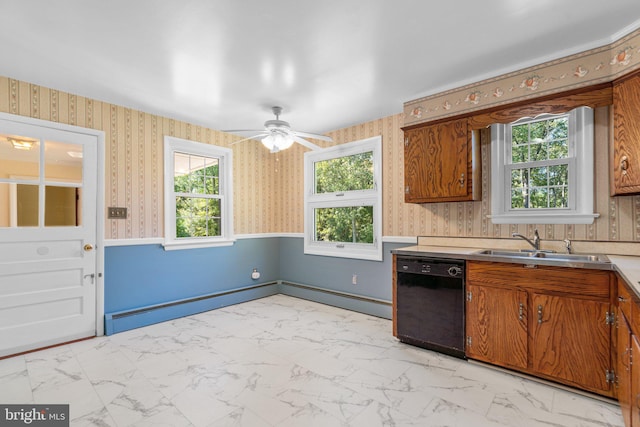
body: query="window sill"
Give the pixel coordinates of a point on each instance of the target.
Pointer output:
(348, 251)
(544, 218)
(178, 245)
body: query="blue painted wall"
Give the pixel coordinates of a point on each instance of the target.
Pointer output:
(138, 276)
(374, 277)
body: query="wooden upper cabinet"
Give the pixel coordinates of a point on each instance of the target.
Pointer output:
(626, 136)
(441, 163)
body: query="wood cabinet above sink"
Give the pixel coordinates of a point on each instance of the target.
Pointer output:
(626, 136)
(441, 163)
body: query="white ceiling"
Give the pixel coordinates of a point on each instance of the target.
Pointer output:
(329, 63)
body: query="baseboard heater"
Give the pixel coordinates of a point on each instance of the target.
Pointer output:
(362, 304)
(143, 316)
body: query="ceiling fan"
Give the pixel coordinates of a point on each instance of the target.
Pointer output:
(277, 134)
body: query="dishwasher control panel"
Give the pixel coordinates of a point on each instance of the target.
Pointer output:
(429, 266)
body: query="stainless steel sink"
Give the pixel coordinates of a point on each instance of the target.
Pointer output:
(547, 255)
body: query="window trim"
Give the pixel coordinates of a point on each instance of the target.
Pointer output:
(581, 167)
(225, 158)
(343, 199)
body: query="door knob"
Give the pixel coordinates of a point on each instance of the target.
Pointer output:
(88, 247)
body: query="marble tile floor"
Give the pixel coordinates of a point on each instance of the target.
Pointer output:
(282, 361)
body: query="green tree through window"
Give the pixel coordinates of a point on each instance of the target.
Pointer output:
(198, 206)
(349, 223)
(540, 175)
(343, 200)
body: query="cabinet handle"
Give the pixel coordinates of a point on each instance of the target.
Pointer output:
(626, 355)
(624, 164)
(461, 180)
(521, 311)
(539, 314)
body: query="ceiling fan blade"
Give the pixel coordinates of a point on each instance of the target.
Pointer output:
(243, 131)
(305, 143)
(251, 137)
(312, 135)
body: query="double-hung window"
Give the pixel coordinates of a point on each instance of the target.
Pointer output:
(198, 194)
(343, 200)
(542, 169)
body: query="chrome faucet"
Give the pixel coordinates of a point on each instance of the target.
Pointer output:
(535, 243)
(567, 245)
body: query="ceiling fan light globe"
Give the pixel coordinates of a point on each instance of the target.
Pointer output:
(283, 141)
(269, 142)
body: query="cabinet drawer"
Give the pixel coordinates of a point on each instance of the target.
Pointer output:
(561, 280)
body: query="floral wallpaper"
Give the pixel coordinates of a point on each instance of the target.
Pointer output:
(584, 69)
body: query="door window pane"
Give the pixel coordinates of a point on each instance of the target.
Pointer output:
(63, 162)
(27, 205)
(61, 207)
(5, 207)
(19, 157)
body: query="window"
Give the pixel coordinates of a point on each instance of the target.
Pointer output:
(343, 200)
(198, 198)
(542, 169)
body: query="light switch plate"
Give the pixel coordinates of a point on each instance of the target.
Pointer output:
(116, 213)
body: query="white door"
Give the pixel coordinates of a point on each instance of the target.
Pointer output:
(48, 187)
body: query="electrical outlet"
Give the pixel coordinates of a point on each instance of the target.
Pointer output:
(116, 213)
(354, 279)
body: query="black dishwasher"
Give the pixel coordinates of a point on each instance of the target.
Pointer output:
(430, 303)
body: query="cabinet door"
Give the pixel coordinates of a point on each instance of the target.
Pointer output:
(438, 163)
(496, 325)
(635, 382)
(415, 155)
(447, 148)
(571, 340)
(623, 368)
(626, 137)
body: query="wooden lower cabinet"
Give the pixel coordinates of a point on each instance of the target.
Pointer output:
(551, 322)
(635, 382)
(496, 326)
(571, 341)
(623, 367)
(628, 355)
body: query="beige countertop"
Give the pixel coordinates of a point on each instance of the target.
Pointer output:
(629, 269)
(627, 266)
(438, 250)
